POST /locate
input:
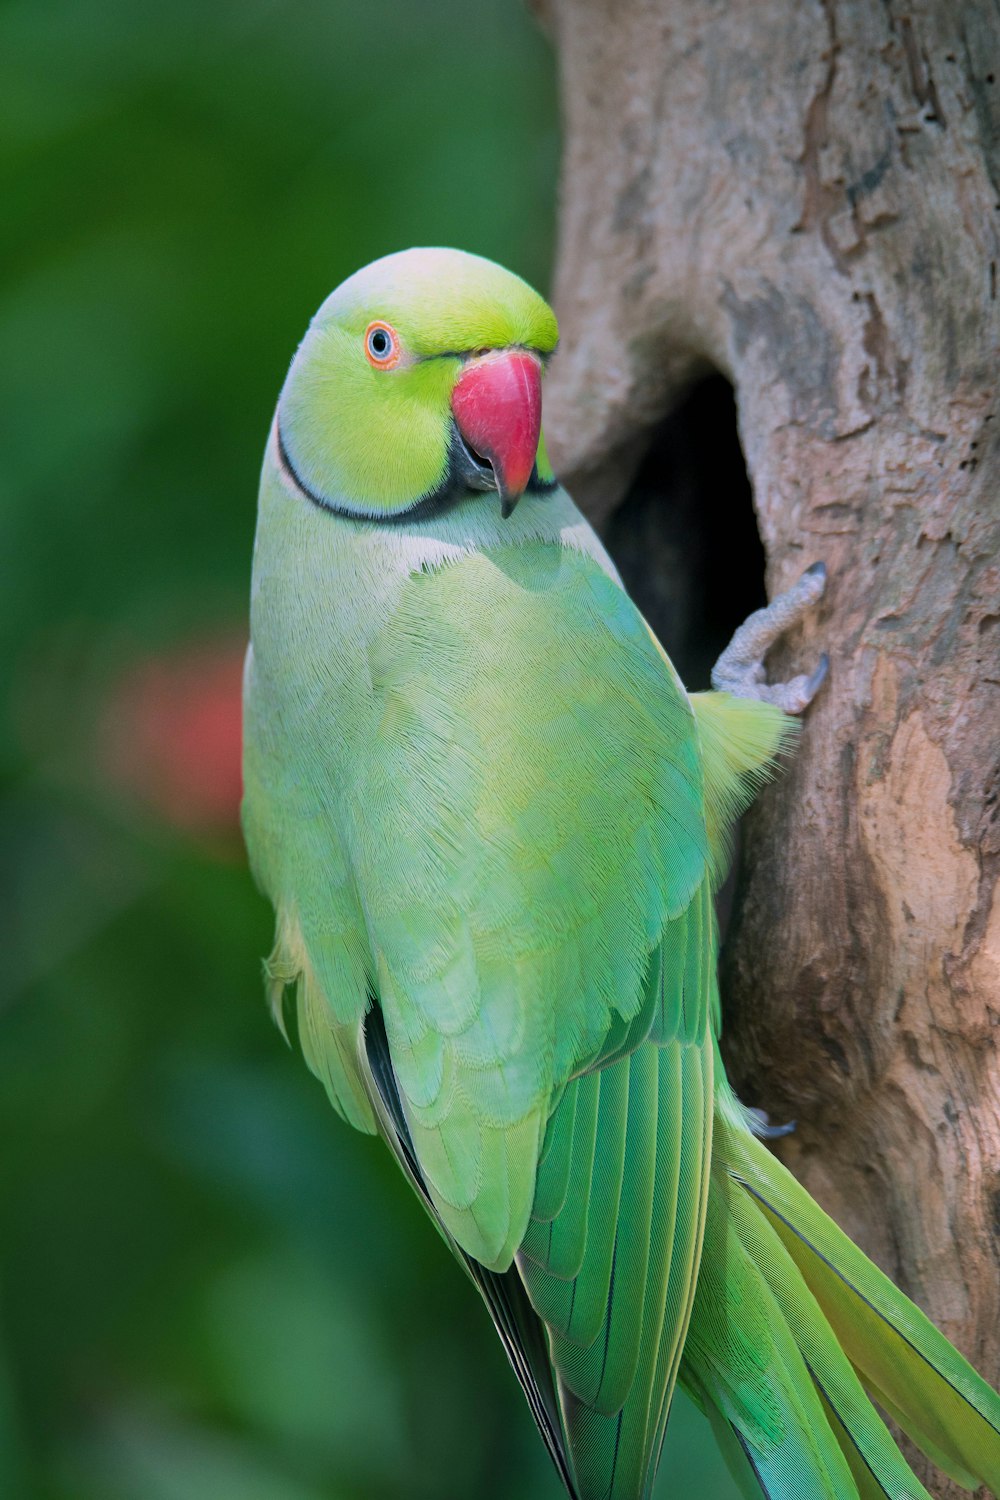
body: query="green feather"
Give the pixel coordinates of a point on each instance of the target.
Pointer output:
(328, 1046)
(798, 1316)
(555, 1161)
(907, 1364)
(556, 1245)
(595, 1274)
(875, 1462)
(490, 821)
(742, 1356)
(740, 739)
(473, 861)
(693, 1152)
(616, 1287)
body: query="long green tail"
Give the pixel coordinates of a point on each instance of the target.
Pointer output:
(609, 1264)
(795, 1333)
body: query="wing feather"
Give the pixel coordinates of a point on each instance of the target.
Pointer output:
(514, 913)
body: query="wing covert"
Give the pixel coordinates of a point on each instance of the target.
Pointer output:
(526, 821)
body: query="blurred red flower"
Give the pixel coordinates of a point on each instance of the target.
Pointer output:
(172, 734)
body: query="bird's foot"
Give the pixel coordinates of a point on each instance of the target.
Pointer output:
(740, 668)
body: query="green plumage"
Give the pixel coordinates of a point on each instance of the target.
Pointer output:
(491, 822)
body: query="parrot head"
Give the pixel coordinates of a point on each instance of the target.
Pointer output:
(418, 380)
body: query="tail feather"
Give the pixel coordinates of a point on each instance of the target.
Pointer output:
(858, 1338)
(597, 1358)
(683, 1252)
(867, 1482)
(733, 1448)
(617, 1307)
(742, 1356)
(921, 1379)
(946, 1462)
(878, 1467)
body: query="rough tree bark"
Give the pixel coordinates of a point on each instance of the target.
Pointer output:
(805, 195)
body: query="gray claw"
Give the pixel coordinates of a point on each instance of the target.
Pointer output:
(740, 668)
(760, 1124)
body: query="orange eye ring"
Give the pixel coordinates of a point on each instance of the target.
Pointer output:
(382, 349)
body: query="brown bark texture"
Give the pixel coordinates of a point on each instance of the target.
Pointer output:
(805, 196)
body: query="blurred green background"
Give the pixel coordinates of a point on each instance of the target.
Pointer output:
(209, 1288)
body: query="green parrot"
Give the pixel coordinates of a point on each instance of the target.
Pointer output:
(491, 822)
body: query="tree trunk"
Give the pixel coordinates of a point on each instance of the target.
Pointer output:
(805, 195)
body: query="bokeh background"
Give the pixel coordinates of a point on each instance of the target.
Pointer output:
(210, 1289)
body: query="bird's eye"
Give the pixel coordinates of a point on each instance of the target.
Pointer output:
(382, 345)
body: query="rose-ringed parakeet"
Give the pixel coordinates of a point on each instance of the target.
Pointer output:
(491, 822)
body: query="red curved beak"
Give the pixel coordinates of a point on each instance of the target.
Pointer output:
(497, 405)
